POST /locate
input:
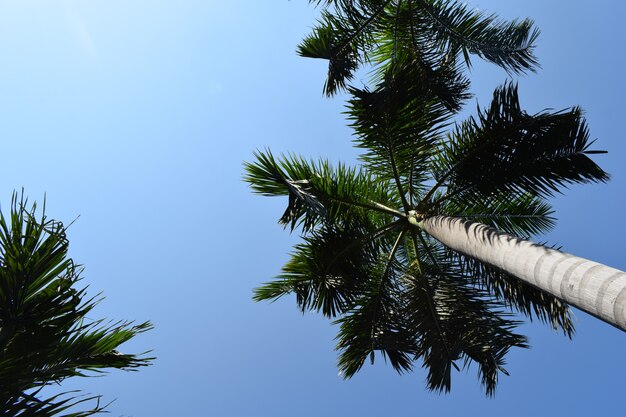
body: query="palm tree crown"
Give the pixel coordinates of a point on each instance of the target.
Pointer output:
(363, 261)
(45, 335)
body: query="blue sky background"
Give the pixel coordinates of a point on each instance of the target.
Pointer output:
(137, 116)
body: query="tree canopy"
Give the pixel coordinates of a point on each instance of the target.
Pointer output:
(391, 288)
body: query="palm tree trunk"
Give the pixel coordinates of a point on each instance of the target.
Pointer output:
(592, 287)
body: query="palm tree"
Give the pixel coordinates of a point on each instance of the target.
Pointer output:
(405, 251)
(45, 335)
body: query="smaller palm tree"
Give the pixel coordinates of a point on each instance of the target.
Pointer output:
(45, 336)
(366, 260)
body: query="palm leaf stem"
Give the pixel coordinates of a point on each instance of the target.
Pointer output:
(449, 195)
(426, 288)
(418, 54)
(410, 184)
(395, 32)
(396, 178)
(412, 28)
(383, 279)
(372, 205)
(414, 42)
(434, 188)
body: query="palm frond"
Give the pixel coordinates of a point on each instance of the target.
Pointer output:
(520, 214)
(513, 293)
(437, 77)
(473, 327)
(437, 33)
(507, 150)
(343, 38)
(459, 29)
(332, 41)
(317, 191)
(375, 323)
(327, 271)
(28, 405)
(397, 125)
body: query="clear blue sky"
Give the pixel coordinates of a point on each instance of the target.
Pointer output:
(137, 116)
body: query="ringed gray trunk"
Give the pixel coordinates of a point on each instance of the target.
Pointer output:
(592, 287)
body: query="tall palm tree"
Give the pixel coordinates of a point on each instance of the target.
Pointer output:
(405, 251)
(45, 335)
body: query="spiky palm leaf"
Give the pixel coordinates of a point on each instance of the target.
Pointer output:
(45, 336)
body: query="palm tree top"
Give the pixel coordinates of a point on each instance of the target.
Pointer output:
(390, 287)
(364, 260)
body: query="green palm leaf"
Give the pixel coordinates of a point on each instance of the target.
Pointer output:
(333, 41)
(508, 150)
(327, 271)
(456, 320)
(375, 323)
(520, 214)
(317, 191)
(516, 294)
(457, 28)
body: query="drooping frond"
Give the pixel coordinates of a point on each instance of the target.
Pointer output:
(455, 320)
(514, 293)
(458, 29)
(400, 48)
(344, 39)
(508, 150)
(332, 41)
(432, 313)
(376, 322)
(328, 270)
(28, 405)
(375, 326)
